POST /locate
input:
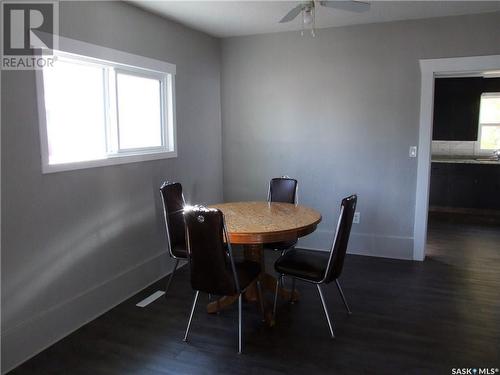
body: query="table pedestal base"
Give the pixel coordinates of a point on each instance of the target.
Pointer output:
(255, 253)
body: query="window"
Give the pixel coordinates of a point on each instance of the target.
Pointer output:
(96, 112)
(489, 121)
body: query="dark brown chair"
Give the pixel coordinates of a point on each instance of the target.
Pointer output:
(321, 267)
(173, 208)
(282, 189)
(212, 266)
(285, 190)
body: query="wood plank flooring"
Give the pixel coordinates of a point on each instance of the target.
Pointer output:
(408, 318)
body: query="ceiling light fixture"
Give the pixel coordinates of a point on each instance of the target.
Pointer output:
(308, 11)
(308, 18)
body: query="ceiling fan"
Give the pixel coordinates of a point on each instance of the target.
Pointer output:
(308, 9)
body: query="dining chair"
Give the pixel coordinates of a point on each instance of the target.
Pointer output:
(173, 208)
(212, 266)
(320, 267)
(284, 190)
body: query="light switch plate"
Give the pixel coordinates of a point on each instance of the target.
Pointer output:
(356, 218)
(413, 151)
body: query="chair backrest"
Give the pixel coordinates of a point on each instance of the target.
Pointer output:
(339, 246)
(210, 259)
(283, 189)
(173, 208)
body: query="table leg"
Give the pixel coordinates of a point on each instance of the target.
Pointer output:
(269, 283)
(255, 253)
(222, 302)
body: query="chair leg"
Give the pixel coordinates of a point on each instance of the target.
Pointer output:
(293, 290)
(326, 310)
(343, 296)
(191, 314)
(261, 300)
(171, 276)
(239, 324)
(282, 280)
(276, 296)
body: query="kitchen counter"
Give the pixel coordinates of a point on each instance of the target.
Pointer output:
(463, 160)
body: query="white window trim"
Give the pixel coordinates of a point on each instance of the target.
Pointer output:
(481, 125)
(112, 56)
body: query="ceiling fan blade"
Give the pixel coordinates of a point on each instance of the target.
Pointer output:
(292, 14)
(352, 6)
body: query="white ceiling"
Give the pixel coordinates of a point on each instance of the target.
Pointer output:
(234, 18)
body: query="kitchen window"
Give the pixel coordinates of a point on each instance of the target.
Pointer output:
(489, 121)
(95, 112)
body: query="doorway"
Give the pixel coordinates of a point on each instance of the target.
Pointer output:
(464, 209)
(430, 69)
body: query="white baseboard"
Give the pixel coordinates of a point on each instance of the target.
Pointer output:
(30, 337)
(369, 244)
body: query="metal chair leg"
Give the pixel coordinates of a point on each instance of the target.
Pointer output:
(239, 324)
(293, 290)
(171, 276)
(276, 297)
(343, 296)
(261, 300)
(191, 314)
(282, 279)
(326, 310)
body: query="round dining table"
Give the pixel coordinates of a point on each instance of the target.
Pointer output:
(253, 224)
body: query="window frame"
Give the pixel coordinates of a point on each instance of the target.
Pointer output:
(163, 111)
(120, 62)
(481, 125)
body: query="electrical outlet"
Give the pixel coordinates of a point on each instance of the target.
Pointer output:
(356, 218)
(413, 151)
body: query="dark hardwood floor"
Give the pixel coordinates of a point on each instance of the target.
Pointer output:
(408, 318)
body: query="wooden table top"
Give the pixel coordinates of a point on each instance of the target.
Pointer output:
(264, 222)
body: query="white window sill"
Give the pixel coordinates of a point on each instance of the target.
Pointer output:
(114, 160)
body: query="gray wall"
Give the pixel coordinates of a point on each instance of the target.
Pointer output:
(76, 243)
(339, 112)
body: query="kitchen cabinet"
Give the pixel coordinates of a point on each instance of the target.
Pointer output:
(456, 106)
(461, 185)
